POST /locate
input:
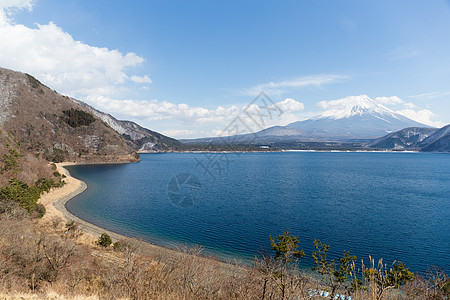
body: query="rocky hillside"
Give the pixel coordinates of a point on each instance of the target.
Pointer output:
(14, 161)
(405, 139)
(416, 139)
(57, 128)
(138, 138)
(438, 142)
(52, 126)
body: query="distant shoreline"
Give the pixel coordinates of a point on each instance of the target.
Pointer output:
(289, 150)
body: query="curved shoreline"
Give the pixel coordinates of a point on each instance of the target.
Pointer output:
(55, 201)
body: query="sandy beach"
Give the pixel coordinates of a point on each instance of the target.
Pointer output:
(55, 201)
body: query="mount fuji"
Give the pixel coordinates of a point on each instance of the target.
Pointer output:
(354, 117)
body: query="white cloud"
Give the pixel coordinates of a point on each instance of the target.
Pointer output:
(389, 100)
(182, 115)
(141, 79)
(280, 113)
(423, 116)
(8, 7)
(430, 95)
(403, 53)
(290, 109)
(394, 100)
(411, 110)
(281, 87)
(290, 105)
(179, 133)
(409, 105)
(163, 110)
(55, 58)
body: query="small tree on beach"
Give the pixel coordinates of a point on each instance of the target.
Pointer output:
(336, 274)
(286, 252)
(104, 240)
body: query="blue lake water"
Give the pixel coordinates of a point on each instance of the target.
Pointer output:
(394, 206)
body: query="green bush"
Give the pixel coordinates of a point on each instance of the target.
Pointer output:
(19, 192)
(75, 118)
(59, 155)
(27, 196)
(45, 184)
(11, 160)
(104, 240)
(335, 274)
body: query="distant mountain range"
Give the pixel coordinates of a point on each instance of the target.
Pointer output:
(416, 139)
(138, 138)
(46, 124)
(352, 119)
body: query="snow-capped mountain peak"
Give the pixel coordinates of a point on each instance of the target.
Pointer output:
(354, 117)
(353, 106)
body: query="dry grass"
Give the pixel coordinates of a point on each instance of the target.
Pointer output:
(51, 262)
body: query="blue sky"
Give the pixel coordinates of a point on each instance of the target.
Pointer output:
(186, 68)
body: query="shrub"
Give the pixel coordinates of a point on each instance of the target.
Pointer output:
(19, 192)
(335, 274)
(45, 184)
(59, 155)
(11, 160)
(40, 209)
(27, 195)
(121, 246)
(75, 118)
(104, 240)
